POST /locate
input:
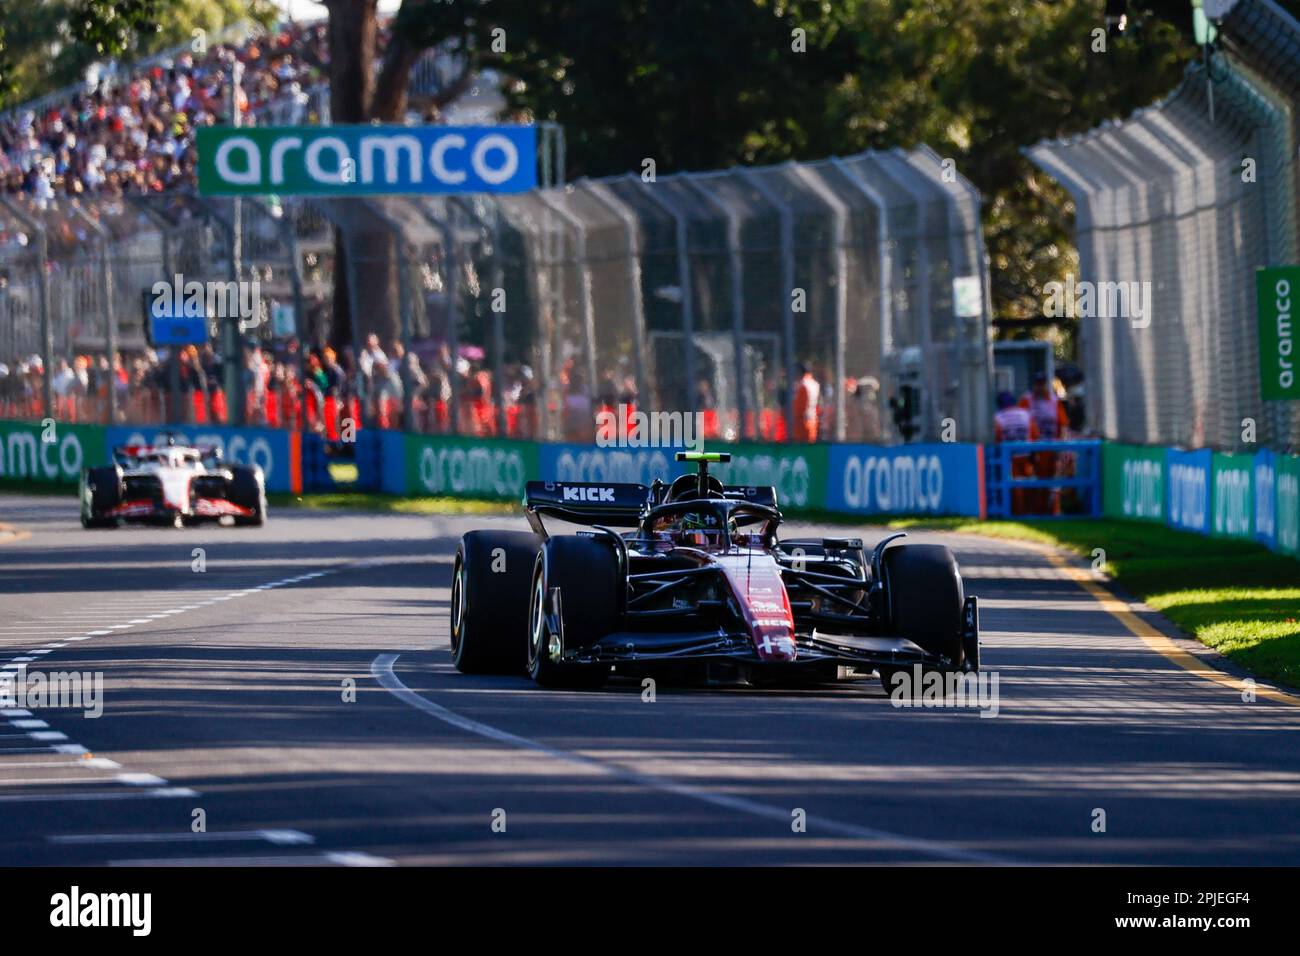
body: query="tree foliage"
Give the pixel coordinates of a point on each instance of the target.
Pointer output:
(54, 41)
(703, 84)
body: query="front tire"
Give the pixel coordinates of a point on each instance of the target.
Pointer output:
(101, 491)
(248, 490)
(926, 597)
(489, 600)
(586, 573)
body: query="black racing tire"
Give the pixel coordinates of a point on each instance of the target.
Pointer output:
(489, 601)
(586, 571)
(247, 489)
(924, 591)
(101, 491)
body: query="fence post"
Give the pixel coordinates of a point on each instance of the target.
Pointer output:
(787, 284)
(684, 283)
(735, 266)
(885, 292)
(605, 196)
(110, 318)
(584, 272)
(43, 292)
(906, 175)
(493, 229)
(448, 234)
(840, 256)
(403, 313)
(231, 336)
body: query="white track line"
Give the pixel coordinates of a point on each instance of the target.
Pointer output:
(126, 794)
(337, 858)
(382, 670)
(276, 837)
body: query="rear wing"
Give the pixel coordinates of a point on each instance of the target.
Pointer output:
(136, 451)
(758, 495)
(586, 502)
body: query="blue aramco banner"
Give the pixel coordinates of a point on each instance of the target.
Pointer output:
(365, 160)
(268, 447)
(1187, 487)
(942, 478)
(572, 462)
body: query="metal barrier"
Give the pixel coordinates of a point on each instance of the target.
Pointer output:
(1182, 203)
(1043, 479)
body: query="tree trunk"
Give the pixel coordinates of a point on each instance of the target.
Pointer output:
(352, 33)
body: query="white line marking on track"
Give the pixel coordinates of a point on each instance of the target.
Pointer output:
(343, 858)
(157, 792)
(276, 837)
(352, 858)
(141, 780)
(382, 670)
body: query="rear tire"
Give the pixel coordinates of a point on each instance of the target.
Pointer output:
(586, 572)
(489, 601)
(925, 594)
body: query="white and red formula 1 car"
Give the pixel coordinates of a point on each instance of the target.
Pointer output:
(171, 484)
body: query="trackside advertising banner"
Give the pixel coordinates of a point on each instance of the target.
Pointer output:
(797, 472)
(1287, 508)
(48, 453)
(1232, 496)
(1264, 489)
(1133, 482)
(366, 160)
(1187, 497)
(568, 462)
(278, 452)
(435, 466)
(936, 479)
(1248, 496)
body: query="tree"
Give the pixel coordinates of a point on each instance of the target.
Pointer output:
(701, 84)
(54, 42)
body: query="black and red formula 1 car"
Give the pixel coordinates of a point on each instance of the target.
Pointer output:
(171, 484)
(701, 583)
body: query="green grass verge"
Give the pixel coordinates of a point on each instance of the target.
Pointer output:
(1235, 596)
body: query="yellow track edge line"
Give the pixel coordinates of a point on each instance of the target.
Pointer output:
(1133, 623)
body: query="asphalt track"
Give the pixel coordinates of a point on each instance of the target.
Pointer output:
(225, 691)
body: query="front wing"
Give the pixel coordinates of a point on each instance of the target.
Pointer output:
(813, 648)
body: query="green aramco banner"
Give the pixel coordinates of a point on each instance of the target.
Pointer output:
(1275, 289)
(366, 160)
